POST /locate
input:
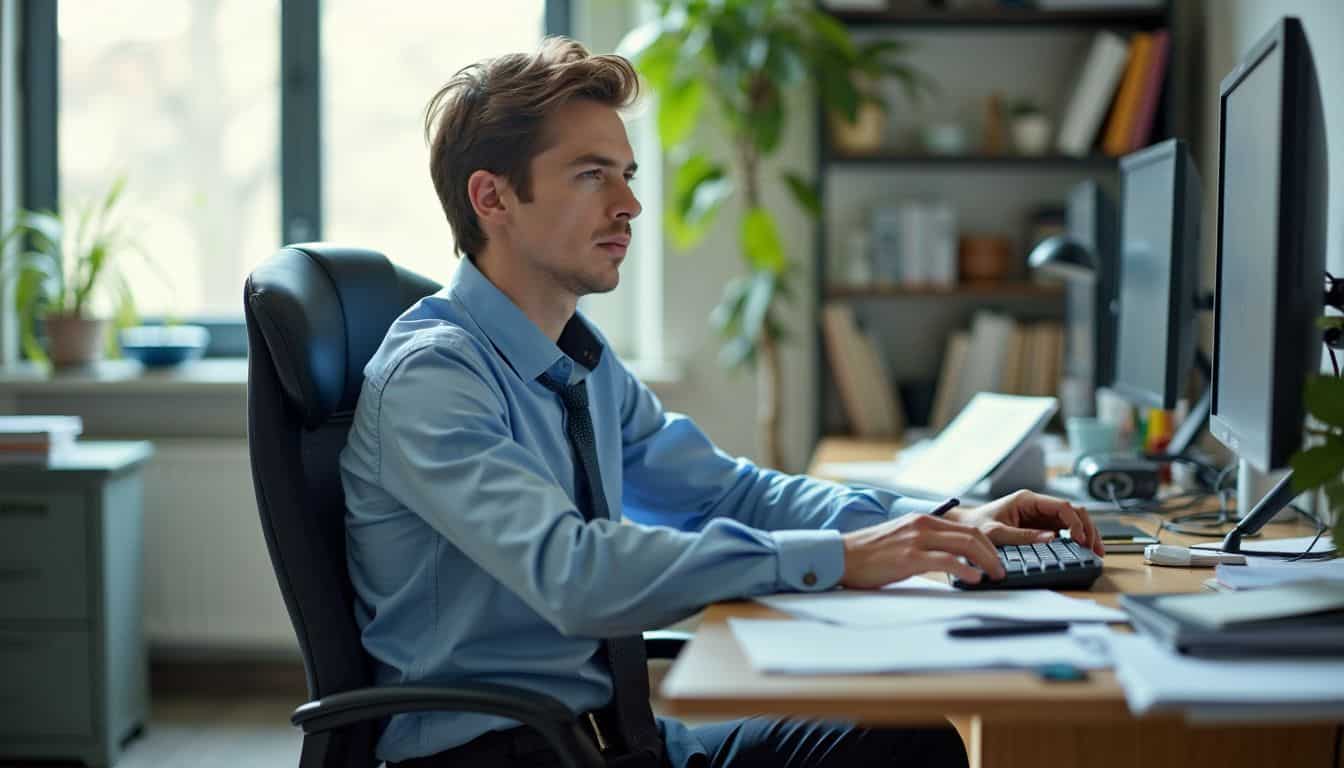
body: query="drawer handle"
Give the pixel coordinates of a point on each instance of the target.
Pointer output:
(22, 509)
(19, 572)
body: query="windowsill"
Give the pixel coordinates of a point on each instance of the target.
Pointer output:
(223, 375)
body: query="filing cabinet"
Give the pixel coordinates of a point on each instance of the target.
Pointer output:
(72, 656)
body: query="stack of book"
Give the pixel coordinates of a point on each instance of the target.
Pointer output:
(35, 439)
(915, 244)
(867, 392)
(998, 355)
(1121, 83)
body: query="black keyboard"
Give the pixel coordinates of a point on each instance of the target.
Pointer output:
(1058, 564)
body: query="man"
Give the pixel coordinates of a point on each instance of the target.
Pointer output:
(498, 444)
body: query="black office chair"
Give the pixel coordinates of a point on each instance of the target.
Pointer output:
(315, 315)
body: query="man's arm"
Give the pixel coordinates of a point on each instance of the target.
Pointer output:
(446, 451)
(676, 477)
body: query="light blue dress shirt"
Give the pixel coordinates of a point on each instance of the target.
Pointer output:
(470, 561)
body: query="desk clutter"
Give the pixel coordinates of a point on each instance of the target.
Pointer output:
(1274, 652)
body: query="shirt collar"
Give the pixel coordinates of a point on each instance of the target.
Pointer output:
(517, 339)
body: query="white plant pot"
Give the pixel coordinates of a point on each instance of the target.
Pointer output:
(1031, 134)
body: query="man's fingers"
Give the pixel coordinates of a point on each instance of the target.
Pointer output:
(1069, 517)
(1093, 538)
(975, 548)
(941, 561)
(1007, 534)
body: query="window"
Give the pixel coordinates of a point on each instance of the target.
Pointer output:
(377, 189)
(188, 101)
(182, 98)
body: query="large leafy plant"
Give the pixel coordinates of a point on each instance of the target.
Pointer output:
(1322, 464)
(64, 263)
(739, 60)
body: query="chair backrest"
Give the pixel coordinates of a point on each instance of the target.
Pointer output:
(315, 315)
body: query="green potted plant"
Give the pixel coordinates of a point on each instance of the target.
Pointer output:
(739, 59)
(61, 269)
(1321, 464)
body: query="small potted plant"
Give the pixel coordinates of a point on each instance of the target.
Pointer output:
(62, 270)
(1030, 127)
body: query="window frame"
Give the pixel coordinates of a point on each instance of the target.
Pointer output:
(300, 129)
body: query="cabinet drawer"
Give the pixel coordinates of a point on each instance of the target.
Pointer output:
(43, 556)
(48, 684)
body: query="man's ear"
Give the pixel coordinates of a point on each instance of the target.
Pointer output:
(489, 196)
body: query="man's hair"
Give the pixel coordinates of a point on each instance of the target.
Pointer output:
(491, 116)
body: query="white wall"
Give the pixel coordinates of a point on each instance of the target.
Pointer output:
(9, 161)
(1230, 28)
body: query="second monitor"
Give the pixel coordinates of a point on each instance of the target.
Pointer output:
(1159, 274)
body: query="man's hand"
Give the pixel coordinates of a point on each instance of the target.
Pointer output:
(914, 544)
(1028, 518)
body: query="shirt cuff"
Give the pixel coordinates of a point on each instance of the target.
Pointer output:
(905, 505)
(809, 561)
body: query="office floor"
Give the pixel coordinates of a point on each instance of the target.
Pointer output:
(192, 730)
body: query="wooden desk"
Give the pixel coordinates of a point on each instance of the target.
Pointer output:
(1008, 719)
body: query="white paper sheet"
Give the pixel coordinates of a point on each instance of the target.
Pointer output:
(1259, 572)
(789, 646)
(1294, 545)
(919, 601)
(1156, 678)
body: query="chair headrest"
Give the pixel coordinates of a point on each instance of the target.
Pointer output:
(323, 310)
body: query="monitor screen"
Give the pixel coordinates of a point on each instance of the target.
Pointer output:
(1271, 248)
(1249, 232)
(1159, 256)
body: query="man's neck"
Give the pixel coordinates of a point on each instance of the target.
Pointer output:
(548, 307)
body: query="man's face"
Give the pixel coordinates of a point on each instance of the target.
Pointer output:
(576, 229)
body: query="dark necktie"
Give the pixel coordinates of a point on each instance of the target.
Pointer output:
(629, 666)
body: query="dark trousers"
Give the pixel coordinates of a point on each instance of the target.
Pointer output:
(758, 742)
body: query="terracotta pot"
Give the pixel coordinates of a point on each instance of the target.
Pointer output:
(864, 135)
(73, 339)
(986, 257)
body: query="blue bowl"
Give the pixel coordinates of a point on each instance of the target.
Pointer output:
(162, 345)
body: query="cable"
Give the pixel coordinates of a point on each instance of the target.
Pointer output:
(1307, 552)
(1334, 361)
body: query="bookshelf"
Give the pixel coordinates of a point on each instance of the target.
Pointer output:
(913, 322)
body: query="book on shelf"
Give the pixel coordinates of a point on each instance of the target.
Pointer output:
(36, 438)
(1155, 72)
(999, 355)
(867, 393)
(1092, 94)
(1115, 141)
(915, 243)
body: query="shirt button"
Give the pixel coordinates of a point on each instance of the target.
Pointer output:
(810, 579)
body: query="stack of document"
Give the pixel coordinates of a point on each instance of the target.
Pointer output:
(904, 628)
(918, 601)
(1155, 679)
(789, 646)
(1259, 573)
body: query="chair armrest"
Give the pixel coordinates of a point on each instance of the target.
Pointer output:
(547, 715)
(664, 643)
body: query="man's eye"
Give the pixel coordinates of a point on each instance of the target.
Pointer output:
(596, 173)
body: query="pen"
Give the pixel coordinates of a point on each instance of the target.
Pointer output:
(1004, 630)
(942, 509)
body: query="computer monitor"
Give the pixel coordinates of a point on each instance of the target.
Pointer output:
(1089, 339)
(1270, 256)
(1158, 274)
